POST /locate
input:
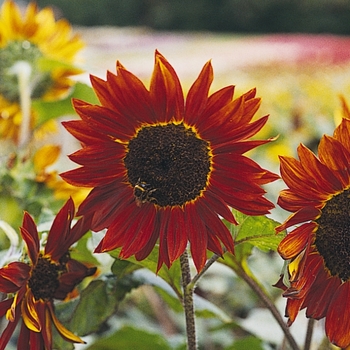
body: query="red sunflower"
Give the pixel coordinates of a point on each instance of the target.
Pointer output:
(32, 285)
(166, 170)
(318, 194)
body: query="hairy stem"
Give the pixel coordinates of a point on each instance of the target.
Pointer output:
(188, 302)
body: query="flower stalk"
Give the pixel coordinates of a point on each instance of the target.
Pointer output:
(23, 70)
(188, 304)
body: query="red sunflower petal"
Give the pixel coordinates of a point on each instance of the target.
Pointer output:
(64, 332)
(336, 157)
(109, 123)
(173, 240)
(197, 235)
(76, 272)
(139, 230)
(30, 236)
(302, 215)
(29, 312)
(292, 308)
(338, 317)
(294, 201)
(321, 174)
(82, 132)
(60, 230)
(90, 177)
(296, 241)
(130, 97)
(218, 100)
(102, 202)
(166, 92)
(10, 328)
(24, 338)
(46, 330)
(342, 132)
(319, 296)
(215, 226)
(197, 97)
(296, 179)
(14, 276)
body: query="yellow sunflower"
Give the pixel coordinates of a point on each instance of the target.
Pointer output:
(48, 47)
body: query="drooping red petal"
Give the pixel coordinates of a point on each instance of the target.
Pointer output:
(320, 295)
(10, 328)
(197, 236)
(338, 317)
(64, 332)
(215, 226)
(46, 330)
(174, 239)
(29, 312)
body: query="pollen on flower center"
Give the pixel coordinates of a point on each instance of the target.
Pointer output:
(21, 51)
(168, 164)
(44, 280)
(333, 235)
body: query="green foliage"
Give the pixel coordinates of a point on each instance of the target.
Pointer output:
(96, 304)
(131, 338)
(172, 276)
(250, 342)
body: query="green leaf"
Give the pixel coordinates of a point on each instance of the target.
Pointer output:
(258, 231)
(131, 338)
(121, 268)
(250, 342)
(50, 110)
(98, 302)
(172, 276)
(48, 65)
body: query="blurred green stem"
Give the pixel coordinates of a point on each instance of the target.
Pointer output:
(188, 289)
(23, 70)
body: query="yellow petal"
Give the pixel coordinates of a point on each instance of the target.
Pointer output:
(45, 156)
(29, 313)
(64, 332)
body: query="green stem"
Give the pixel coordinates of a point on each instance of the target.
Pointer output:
(270, 305)
(188, 302)
(23, 70)
(309, 331)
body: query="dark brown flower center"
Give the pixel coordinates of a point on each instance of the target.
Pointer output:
(44, 280)
(333, 235)
(168, 164)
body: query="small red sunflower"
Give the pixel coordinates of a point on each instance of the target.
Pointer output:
(32, 285)
(318, 194)
(165, 169)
